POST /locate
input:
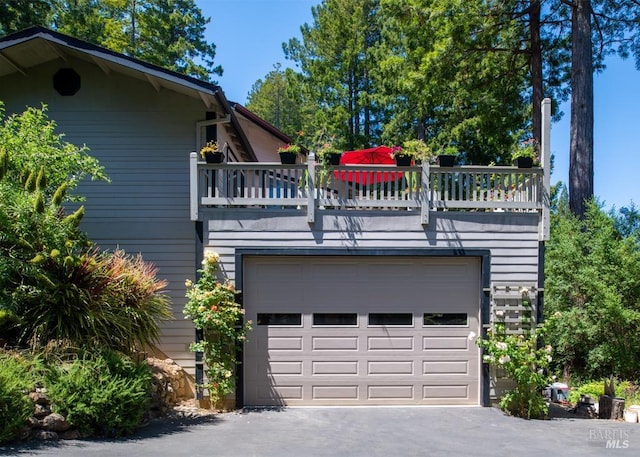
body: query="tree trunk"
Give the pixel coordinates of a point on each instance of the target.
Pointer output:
(535, 63)
(581, 133)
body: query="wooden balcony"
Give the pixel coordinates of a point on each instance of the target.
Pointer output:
(313, 187)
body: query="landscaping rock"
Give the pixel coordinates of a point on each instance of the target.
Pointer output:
(44, 435)
(39, 398)
(41, 411)
(55, 423)
(171, 384)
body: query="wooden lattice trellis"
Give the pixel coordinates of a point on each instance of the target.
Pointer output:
(513, 308)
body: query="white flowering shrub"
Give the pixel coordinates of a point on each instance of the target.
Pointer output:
(212, 307)
(524, 362)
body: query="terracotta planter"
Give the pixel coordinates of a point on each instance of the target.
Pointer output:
(213, 157)
(288, 158)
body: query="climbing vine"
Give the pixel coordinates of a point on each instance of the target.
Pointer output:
(213, 309)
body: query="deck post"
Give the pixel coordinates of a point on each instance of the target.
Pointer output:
(425, 204)
(311, 188)
(193, 181)
(545, 159)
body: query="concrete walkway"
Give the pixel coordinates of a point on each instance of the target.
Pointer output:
(366, 432)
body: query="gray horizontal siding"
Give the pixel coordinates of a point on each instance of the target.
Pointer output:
(512, 238)
(143, 138)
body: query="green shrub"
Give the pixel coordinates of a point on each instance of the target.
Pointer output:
(104, 394)
(15, 383)
(95, 299)
(526, 364)
(623, 389)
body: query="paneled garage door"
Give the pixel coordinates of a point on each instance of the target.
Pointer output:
(361, 330)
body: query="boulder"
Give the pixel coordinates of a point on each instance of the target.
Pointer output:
(55, 423)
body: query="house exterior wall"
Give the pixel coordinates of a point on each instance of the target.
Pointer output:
(512, 238)
(265, 145)
(142, 137)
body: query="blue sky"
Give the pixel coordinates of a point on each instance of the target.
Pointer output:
(248, 35)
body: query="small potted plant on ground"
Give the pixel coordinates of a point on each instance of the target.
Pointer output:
(525, 155)
(448, 156)
(210, 152)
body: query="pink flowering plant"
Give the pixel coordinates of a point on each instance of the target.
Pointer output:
(524, 361)
(213, 309)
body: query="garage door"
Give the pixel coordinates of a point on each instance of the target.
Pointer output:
(361, 330)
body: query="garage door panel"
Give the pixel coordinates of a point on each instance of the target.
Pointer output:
(390, 367)
(445, 343)
(334, 343)
(334, 367)
(342, 359)
(430, 367)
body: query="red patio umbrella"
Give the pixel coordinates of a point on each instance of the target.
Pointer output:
(380, 155)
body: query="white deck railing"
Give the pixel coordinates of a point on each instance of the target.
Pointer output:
(374, 187)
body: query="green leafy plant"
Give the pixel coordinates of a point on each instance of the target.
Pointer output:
(527, 149)
(624, 389)
(212, 307)
(16, 380)
(526, 364)
(450, 151)
(290, 148)
(101, 392)
(592, 289)
(417, 149)
(294, 147)
(93, 299)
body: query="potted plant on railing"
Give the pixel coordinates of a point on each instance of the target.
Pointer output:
(448, 156)
(526, 154)
(416, 150)
(289, 153)
(402, 157)
(210, 152)
(329, 154)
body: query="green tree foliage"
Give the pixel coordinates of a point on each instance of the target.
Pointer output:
(169, 33)
(336, 56)
(592, 292)
(19, 14)
(276, 99)
(29, 143)
(446, 80)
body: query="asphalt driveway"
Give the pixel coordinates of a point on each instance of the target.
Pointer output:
(370, 432)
